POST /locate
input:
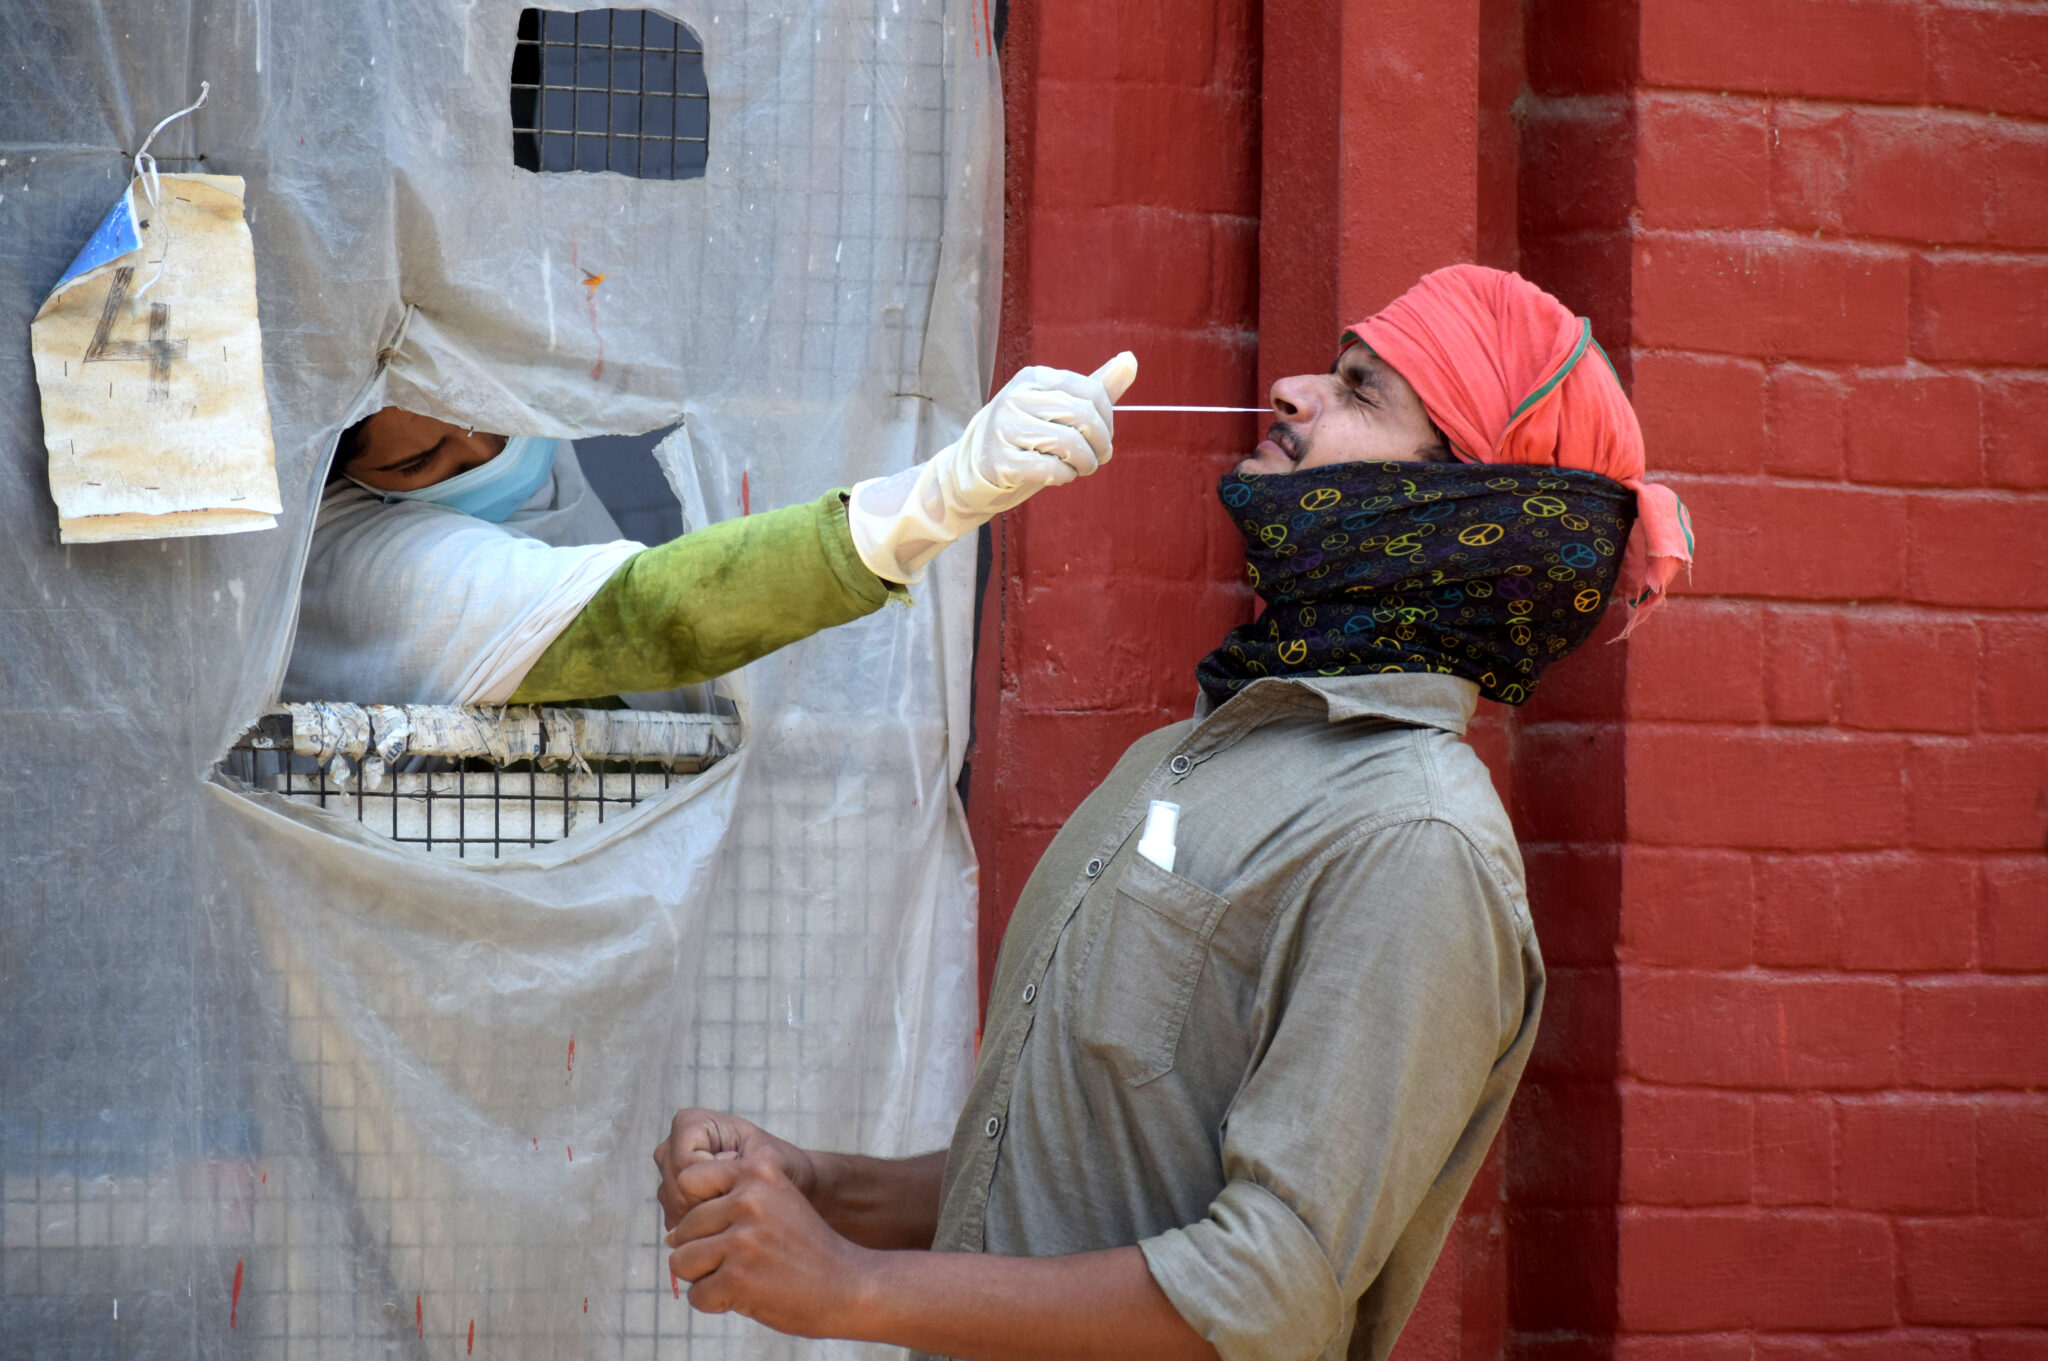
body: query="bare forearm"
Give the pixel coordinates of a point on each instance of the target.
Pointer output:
(880, 1202)
(982, 1308)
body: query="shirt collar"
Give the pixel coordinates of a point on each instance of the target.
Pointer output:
(1420, 699)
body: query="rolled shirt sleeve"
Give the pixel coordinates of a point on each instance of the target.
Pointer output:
(710, 602)
(1403, 989)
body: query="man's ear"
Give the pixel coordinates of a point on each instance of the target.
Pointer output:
(1439, 450)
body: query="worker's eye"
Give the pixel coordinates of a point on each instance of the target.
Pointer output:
(414, 466)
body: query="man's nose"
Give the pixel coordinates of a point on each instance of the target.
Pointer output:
(1294, 399)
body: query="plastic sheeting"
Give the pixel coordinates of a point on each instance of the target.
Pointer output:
(273, 1086)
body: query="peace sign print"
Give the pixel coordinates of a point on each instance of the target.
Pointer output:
(1481, 535)
(1488, 576)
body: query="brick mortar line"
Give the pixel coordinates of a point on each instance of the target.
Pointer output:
(1772, 728)
(1249, 93)
(1126, 207)
(1916, 609)
(1765, 728)
(1899, 488)
(1768, 728)
(1800, 100)
(1979, 1097)
(1788, 482)
(1987, 612)
(2036, 980)
(1887, 246)
(1872, 247)
(1913, 366)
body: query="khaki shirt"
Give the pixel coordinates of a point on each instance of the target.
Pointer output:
(1277, 1068)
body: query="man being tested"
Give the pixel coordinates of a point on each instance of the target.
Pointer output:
(1229, 1108)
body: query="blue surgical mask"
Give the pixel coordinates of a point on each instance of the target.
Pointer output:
(490, 491)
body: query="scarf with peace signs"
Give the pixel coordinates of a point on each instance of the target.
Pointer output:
(1486, 571)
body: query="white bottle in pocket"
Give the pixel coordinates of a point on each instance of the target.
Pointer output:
(1155, 843)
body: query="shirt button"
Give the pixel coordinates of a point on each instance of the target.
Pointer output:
(1094, 868)
(1180, 765)
(991, 1127)
(1030, 991)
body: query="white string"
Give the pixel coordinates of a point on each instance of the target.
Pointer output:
(145, 164)
(152, 185)
(392, 353)
(1246, 409)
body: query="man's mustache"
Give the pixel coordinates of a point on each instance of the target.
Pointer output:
(1285, 436)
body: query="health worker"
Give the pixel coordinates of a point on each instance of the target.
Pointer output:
(449, 566)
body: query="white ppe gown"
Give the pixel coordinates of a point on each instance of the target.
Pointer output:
(414, 603)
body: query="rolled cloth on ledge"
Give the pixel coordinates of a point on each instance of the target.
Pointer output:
(1497, 363)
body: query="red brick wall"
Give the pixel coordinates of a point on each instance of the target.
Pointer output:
(1786, 846)
(1833, 1016)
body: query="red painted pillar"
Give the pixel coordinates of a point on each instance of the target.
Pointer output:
(1388, 151)
(1132, 129)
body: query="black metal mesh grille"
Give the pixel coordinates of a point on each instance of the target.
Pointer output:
(477, 810)
(413, 774)
(609, 89)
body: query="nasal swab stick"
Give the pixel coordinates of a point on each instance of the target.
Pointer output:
(1248, 410)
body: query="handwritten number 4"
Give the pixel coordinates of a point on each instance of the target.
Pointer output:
(159, 350)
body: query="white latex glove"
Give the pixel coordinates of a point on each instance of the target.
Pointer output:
(1044, 429)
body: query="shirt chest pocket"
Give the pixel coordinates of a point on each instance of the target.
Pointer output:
(1136, 990)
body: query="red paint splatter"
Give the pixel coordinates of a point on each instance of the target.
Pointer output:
(586, 1304)
(419, 1316)
(266, 1179)
(572, 1058)
(590, 283)
(572, 1153)
(746, 495)
(536, 1143)
(590, 305)
(235, 1302)
(472, 1337)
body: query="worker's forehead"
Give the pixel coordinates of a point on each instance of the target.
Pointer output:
(397, 423)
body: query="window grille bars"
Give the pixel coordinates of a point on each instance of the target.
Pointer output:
(618, 90)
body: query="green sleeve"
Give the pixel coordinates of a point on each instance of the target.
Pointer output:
(710, 602)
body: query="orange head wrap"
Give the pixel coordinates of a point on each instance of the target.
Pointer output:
(1511, 376)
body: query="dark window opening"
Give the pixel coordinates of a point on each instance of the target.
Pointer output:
(622, 470)
(619, 90)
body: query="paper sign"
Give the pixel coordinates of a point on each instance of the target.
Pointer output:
(149, 360)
